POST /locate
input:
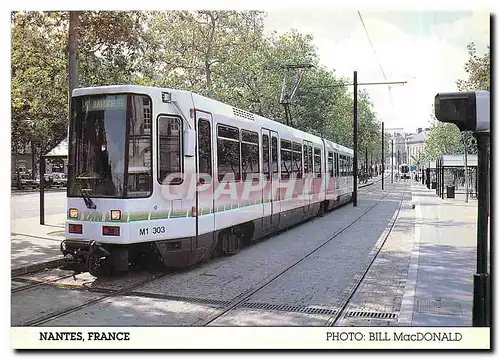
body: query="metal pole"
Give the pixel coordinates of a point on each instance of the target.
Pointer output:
(392, 161)
(42, 189)
(481, 302)
(383, 160)
(466, 177)
(442, 179)
(366, 161)
(355, 128)
(371, 164)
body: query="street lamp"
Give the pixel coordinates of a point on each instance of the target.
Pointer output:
(383, 159)
(470, 111)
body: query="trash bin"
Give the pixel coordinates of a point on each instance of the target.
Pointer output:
(450, 191)
(434, 185)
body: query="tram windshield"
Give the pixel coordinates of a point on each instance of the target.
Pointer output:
(105, 160)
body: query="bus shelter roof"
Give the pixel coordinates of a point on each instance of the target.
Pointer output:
(458, 160)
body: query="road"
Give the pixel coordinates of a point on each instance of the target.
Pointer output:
(27, 204)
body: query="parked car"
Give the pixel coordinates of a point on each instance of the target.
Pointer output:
(59, 179)
(23, 181)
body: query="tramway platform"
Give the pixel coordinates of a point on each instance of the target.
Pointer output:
(439, 286)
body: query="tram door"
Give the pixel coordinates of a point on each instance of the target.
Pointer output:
(205, 193)
(270, 177)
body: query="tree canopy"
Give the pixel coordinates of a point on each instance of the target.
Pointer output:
(445, 138)
(220, 54)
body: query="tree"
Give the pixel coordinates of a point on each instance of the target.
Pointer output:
(447, 138)
(478, 69)
(39, 66)
(443, 139)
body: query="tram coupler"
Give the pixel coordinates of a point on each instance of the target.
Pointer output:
(82, 256)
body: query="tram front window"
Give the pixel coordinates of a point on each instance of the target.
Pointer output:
(105, 160)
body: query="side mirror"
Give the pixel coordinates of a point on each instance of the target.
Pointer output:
(189, 142)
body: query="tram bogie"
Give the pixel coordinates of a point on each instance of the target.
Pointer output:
(173, 178)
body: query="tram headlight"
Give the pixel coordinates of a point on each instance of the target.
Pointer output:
(73, 213)
(116, 214)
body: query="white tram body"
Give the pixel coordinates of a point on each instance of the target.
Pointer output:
(404, 171)
(178, 176)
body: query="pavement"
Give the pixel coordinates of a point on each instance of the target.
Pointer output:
(439, 286)
(35, 246)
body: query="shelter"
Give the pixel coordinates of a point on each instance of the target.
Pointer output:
(450, 172)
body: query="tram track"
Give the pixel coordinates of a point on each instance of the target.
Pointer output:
(131, 290)
(344, 304)
(244, 296)
(112, 293)
(30, 283)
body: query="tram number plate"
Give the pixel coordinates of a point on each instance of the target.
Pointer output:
(152, 230)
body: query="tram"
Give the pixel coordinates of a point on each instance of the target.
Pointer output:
(404, 171)
(169, 176)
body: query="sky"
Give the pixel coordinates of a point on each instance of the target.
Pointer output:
(428, 49)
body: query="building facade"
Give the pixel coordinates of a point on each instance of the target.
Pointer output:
(415, 147)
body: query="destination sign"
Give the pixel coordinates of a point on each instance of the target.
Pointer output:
(106, 103)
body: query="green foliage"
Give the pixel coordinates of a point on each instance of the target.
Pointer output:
(446, 138)
(221, 54)
(443, 138)
(39, 67)
(478, 69)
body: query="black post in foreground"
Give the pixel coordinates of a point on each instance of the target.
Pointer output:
(392, 161)
(428, 177)
(366, 161)
(355, 130)
(371, 164)
(383, 159)
(481, 302)
(42, 189)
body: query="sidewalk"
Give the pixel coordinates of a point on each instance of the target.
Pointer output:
(439, 287)
(34, 245)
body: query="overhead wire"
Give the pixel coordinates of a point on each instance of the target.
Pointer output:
(376, 56)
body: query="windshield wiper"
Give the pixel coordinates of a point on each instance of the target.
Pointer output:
(88, 202)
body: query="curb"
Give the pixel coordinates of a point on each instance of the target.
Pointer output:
(36, 267)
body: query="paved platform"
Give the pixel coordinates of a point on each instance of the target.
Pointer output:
(439, 286)
(33, 244)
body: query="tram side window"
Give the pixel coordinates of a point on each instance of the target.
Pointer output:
(250, 155)
(228, 154)
(297, 159)
(274, 155)
(286, 159)
(170, 150)
(310, 158)
(336, 164)
(330, 163)
(265, 156)
(205, 149)
(341, 160)
(317, 162)
(306, 162)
